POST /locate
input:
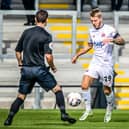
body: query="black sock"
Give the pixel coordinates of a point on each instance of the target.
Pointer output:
(60, 101)
(15, 106)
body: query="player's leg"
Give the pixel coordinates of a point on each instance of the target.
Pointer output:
(61, 104)
(108, 82)
(14, 108)
(48, 82)
(86, 83)
(110, 103)
(26, 84)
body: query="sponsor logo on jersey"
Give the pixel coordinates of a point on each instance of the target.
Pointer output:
(98, 44)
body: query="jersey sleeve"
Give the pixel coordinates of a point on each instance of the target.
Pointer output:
(90, 39)
(19, 46)
(48, 46)
(114, 33)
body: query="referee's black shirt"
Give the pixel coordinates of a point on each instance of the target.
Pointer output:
(34, 43)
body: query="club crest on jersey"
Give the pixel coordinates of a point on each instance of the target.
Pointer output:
(103, 35)
(51, 46)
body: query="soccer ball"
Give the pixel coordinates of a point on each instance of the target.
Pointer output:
(74, 99)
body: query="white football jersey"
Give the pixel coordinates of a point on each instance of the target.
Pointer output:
(102, 52)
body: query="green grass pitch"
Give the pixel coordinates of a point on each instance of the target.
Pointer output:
(50, 119)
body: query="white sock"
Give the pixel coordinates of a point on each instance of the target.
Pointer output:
(87, 98)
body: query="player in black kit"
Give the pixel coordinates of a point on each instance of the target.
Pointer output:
(34, 45)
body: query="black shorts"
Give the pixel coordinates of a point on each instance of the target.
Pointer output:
(31, 75)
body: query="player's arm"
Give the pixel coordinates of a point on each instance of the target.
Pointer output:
(49, 58)
(19, 49)
(81, 52)
(114, 38)
(48, 48)
(19, 58)
(118, 40)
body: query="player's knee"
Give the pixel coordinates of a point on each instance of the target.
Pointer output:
(21, 96)
(56, 89)
(107, 90)
(86, 82)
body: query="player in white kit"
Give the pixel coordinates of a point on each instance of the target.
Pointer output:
(101, 38)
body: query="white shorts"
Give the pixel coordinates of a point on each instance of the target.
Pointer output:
(103, 73)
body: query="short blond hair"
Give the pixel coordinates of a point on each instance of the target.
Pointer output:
(96, 13)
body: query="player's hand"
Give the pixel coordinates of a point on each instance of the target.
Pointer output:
(20, 66)
(54, 69)
(74, 59)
